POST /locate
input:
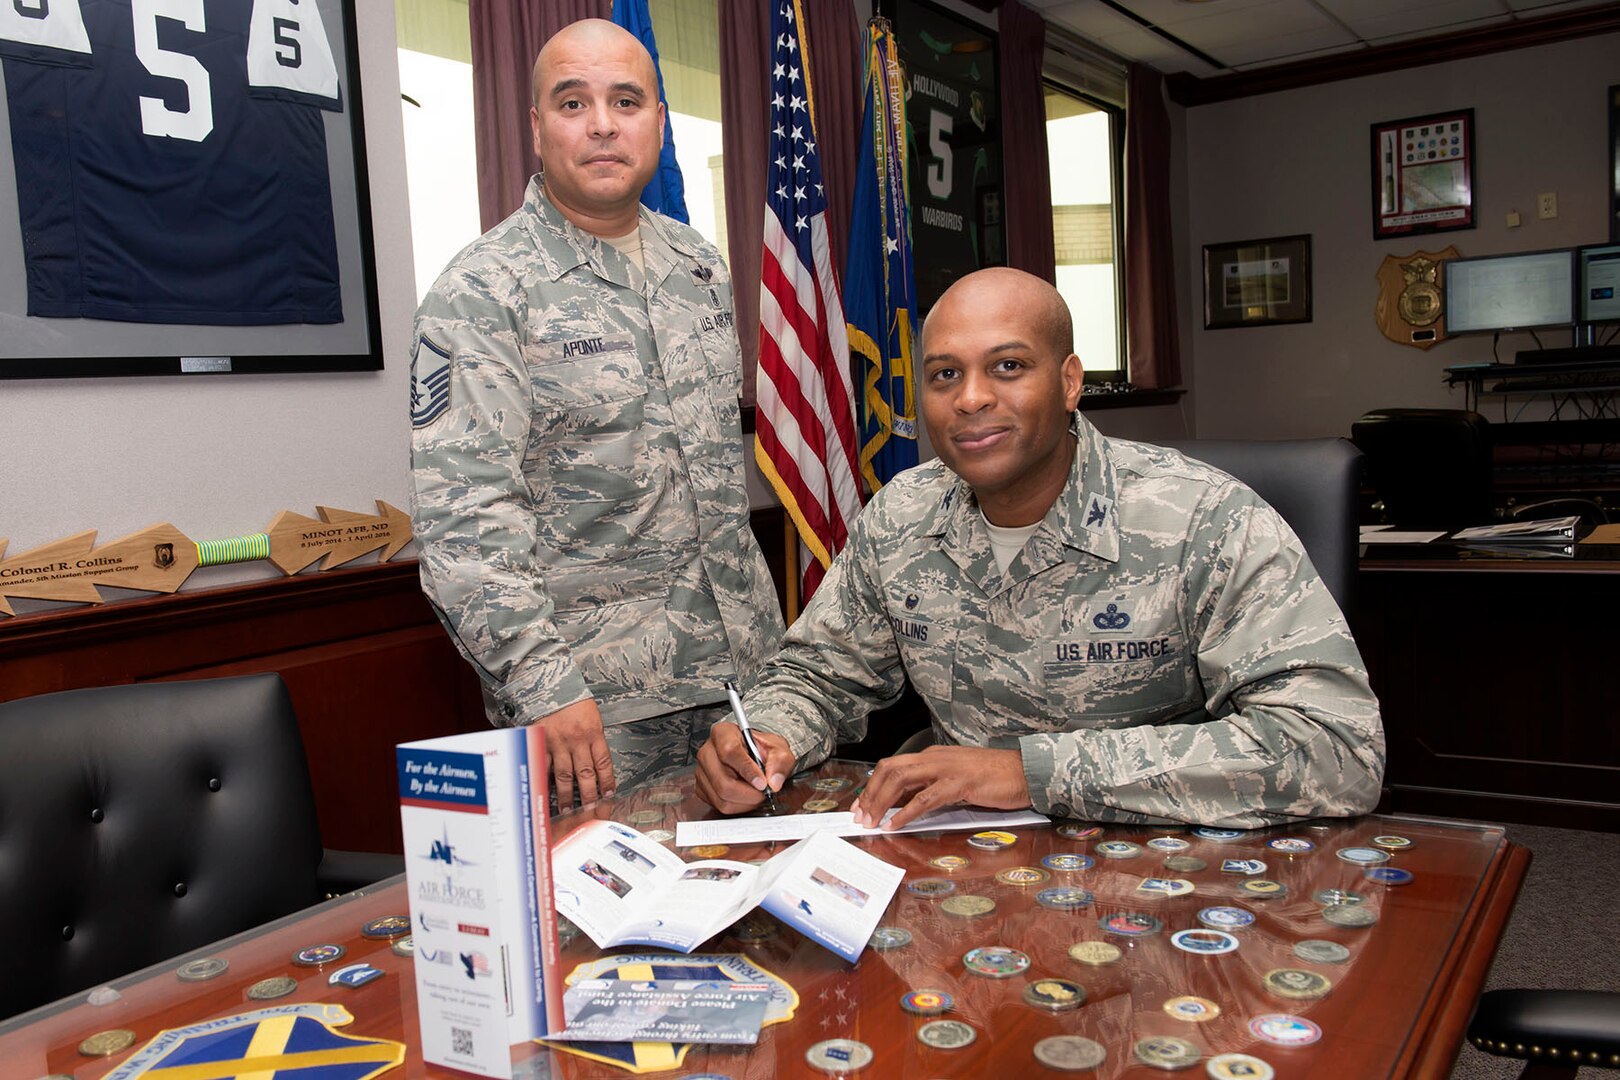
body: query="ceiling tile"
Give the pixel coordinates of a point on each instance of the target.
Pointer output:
(1369, 22)
(1168, 13)
(1411, 35)
(1088, 19)
(1276, 18)
(1282, 48)
(1354, 46)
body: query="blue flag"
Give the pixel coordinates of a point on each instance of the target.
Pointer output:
(880, 291)
(665, 193)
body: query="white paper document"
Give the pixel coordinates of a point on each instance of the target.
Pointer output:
(755, 830)
(1392, 536)
(621, 888)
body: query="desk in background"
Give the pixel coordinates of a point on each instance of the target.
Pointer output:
(1397, 1006)
(1496, 679)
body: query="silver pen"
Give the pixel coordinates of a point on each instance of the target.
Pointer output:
(749, 743)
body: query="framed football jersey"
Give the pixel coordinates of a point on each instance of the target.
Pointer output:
(183, 189)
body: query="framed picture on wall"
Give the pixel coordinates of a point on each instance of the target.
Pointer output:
(1257, 282)
(1614, 164)
(953, 113)
(1423, 174)
(198, 206)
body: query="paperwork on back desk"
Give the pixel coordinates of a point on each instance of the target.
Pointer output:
(753, 830)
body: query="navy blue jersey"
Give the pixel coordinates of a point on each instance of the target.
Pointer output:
(171, 159)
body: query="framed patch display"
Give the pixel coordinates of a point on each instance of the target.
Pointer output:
(183, 189)
(953, 130)
(1423, 174)
(1257, 282)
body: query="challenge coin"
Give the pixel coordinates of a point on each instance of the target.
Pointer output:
(968, 907)
(1132, 924)
(1070, 1053)
(664, 798)
(1391, 843)
(950, 862)
(1226, 918)
(1220, 836)
(209, 967)
(1185, 864)
(1094, 953)
(1118, 849)
(1291, 845)
(646, 817)
(1166, 1052)
(274, 987)
(1055, 995)
(1363, 856)
(946, 1034)
(1262, 889)
(1204, 942)
(1242, 866)
(1023, 875)
(1388, 875)
(927, 1002)
(1326, 897)
(107, 1043)
(660, 836)
(316, 955)
(406, 946)
(931, 888)
(992, 840)
(1297, 983)
(1068, 862)
(1073, 831)
(1156, 886)
(819, 806)
(839, 1055)
(1063, 898)
(833, 783)
(1284, 1030)
(389, 926)
(1317, 951)
(353, 975)
(1355, 916)
(885, 938)
(711, 851)
(995, 962)
(1238, 1067)
(1168, 843)
(1194, 1010)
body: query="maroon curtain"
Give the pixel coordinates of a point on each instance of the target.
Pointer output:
(1026, 176)
(1150, 273)
(506, 36)
(835, 74)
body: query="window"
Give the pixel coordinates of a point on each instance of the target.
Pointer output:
(1083, 139)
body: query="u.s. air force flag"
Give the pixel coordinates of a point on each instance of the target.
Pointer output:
(283, 1041)
(880, 293)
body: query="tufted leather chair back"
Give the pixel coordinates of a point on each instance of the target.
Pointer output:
(1313, 484)
(139, 822)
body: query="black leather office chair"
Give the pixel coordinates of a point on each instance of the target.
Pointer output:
(139, 822)
(1312, 483)
(1554, 1031)
(1431, 467)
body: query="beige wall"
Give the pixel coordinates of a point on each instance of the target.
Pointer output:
(1298, 162)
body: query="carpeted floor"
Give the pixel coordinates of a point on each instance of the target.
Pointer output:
(1564, 933)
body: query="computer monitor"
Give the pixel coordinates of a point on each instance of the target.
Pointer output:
(1599, 277)
(1510, 292)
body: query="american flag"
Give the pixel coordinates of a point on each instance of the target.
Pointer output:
(804, 426)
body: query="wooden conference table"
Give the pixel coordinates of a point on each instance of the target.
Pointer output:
(1396, 1007)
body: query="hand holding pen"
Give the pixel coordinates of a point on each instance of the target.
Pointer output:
(750, 744)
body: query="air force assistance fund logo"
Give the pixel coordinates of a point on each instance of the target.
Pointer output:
(447, 890)
(283, 1040)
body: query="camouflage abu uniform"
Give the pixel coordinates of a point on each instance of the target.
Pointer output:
(578, 465)
(1161, 648)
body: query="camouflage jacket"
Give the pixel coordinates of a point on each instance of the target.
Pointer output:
(1161, 649)
(578, 464)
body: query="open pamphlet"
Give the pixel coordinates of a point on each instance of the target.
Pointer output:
(621, 888)
(1538, 531)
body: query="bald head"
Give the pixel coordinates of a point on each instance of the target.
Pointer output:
(1039, 305)
(586, 38)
